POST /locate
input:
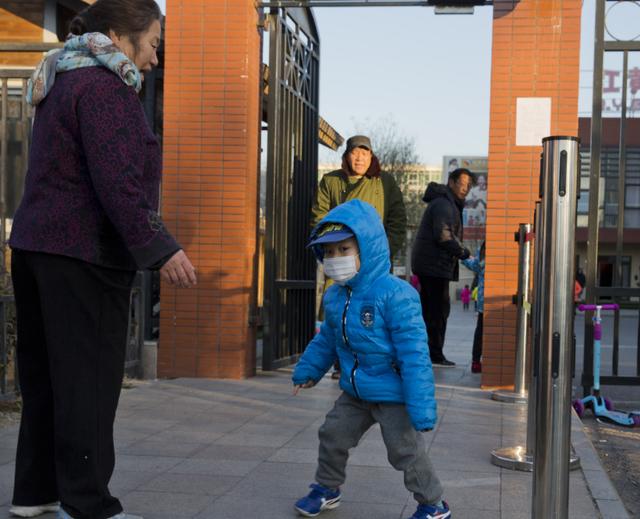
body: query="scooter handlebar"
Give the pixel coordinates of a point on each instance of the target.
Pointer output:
(586, 308)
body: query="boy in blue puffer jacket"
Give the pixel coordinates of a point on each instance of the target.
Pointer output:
(373, 325)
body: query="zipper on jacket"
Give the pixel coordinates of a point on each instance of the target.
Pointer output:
(344, 318)
(352, 378)
(353, 374)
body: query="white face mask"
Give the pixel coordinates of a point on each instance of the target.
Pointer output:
(341, 268)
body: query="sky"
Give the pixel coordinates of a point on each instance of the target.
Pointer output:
(428, 73)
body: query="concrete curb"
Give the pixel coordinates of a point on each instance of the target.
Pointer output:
(600, 487)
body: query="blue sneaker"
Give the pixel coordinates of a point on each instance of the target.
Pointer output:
(320, 498)
(432, 512)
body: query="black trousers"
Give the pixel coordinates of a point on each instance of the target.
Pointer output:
(434, 297)
(476, 354)
(72, 325)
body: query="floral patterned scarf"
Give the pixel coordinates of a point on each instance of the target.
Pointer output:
(92, 49)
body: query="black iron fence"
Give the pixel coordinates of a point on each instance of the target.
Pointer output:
(292, 160)
(15, 138)
(9, 386)
(627, 299)
(16, 118)
(612, 211)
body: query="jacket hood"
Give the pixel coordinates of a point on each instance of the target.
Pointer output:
(365, 223)
(435, 190)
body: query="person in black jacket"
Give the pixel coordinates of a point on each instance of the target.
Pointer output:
(436, 251)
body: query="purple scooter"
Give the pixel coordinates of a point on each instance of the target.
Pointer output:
(602, 407)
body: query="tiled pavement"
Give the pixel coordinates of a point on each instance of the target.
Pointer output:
(219, 449)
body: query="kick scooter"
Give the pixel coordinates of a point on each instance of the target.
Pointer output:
(601, 406)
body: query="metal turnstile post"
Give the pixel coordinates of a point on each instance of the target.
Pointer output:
(521, 386)
(521, 457)
(554, 324)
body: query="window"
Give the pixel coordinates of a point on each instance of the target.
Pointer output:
(609, 187)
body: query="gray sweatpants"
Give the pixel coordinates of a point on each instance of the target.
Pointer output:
(347, 422)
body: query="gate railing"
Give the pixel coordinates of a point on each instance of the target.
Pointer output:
(292, 164)
(9, 387)
(621, 296)
(15, 138)
(617, 293)
(15, 135)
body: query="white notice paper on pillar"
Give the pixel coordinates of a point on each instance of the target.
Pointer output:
(533, 120)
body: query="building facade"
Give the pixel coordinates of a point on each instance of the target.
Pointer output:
(210, 200)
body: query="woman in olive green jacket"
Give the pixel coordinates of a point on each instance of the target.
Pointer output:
(360, 177)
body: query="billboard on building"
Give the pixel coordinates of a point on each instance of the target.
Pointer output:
(474, 215)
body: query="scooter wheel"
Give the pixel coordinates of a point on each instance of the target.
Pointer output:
(579, 407)
(608, 404)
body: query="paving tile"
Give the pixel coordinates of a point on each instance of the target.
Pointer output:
(201, 484)
(235, 453)
(381, 485)
(479, 490)
(286, 455)
(6, 482)
(229, 507)
(133, 463)
(255, 439)
(449, 427)
(126, 481)
(290, 480)
(473, 513)
(7, 454)
(214, 467)
(145, 425)
(160, 448)
(171, 504)
(221, 449)
(181, 434)
(9, 435)
(308, 438)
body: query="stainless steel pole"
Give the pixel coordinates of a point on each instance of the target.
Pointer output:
(521, 457)
(538, 274)
(519, 394)
(555, 327)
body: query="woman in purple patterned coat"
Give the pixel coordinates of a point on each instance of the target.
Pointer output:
(88, 220)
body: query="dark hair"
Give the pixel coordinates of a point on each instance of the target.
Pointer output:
(124, 17)
(457, 173)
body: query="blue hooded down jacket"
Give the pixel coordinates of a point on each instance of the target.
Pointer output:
(374, 326)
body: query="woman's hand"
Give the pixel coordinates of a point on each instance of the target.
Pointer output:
(179, 271)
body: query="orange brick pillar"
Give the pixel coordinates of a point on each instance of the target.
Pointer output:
(209, 191)
(536, 54)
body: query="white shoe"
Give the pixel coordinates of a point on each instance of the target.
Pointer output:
(33, 511)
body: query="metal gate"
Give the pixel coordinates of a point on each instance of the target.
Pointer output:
(15, 138)
(292, 164)
(16, 118)
(610, 211)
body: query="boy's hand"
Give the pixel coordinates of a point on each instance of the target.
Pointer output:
(308, 384)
